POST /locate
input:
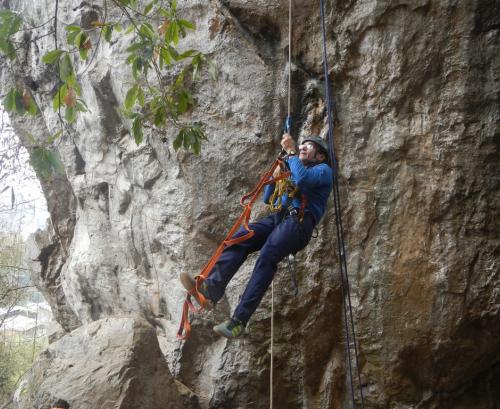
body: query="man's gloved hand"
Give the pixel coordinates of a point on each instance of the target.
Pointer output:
(288, 144)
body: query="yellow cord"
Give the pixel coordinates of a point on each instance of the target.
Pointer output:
(282, 186)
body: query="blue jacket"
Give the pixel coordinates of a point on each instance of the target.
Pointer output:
(315, 182)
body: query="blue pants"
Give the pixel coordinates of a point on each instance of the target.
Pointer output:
(277, 236)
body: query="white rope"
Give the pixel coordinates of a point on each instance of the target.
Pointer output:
(271, 369)
(272, 355)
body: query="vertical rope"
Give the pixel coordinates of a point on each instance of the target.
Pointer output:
(289, 56)
(272, 344)
(287, 129)
(346, 295)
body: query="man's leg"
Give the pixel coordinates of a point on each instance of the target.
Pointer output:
(233, 257)
(289, 236)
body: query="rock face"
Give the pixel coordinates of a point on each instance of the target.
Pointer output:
(113, 362)
(415, 86)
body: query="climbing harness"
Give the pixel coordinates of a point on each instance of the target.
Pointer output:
(346, 294)
(247, 201)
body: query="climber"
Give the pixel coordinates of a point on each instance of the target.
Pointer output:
(276, 236)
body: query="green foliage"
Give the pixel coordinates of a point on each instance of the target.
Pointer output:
(67, 95)
(20, 102)
(153, 49)
(10, 23)
(77, 37)
(52, 56)
(190, 137)
(46, 162)
(146, 104)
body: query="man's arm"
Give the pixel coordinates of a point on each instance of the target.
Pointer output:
(309, 177)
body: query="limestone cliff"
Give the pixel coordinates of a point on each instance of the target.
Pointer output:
(416, 90)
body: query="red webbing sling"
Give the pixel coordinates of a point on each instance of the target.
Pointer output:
(243, 220)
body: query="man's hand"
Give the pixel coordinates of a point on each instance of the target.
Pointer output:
(288, 144)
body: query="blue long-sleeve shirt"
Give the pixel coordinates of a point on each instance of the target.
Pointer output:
(315, 182)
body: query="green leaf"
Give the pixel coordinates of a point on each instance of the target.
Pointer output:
(175, 32)
(55, 163)
(9, 101)
(173, 5)
(80, 106)
(196, 147)
(84, 53)
(194, 73)
(39, 161)
(58, 99)
(186, 54)
(71, 81)
(173, 52)
(182, 103)
(78, 39)
(186, 24)
(71, 37)
(9, 24)
(179, 140)
(140, 96)
(108, 31)
(147, 30)
(83, 107)
(187, 139)
(65, 68)
(8, 49)
(172, 33)
(134, 47)
(149, 7)
(52, 56)
(32, 108)
(70, 114)
(52, 138)
(159, 113)
(46, 162)
(74, 32)
(165, 57)
(137, 67)
(73, 28)
(18, 100)
(10, 21)
(137, 130)
(131, 97)
(118, 27)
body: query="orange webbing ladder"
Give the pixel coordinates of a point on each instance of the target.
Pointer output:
(243, 220)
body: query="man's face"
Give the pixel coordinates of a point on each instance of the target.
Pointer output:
(307, 152)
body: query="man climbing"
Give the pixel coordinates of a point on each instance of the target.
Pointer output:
(276, 236)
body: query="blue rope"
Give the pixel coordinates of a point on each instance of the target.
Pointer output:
(288, 124)
(348, 314)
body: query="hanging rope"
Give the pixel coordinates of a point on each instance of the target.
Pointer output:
(272, 345)
(288, 125)
(348, 314)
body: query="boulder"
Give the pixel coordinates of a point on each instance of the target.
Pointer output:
(113, 363)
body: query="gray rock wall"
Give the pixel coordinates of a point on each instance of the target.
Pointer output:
(416, 96)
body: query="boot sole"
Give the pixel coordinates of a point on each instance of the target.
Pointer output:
(189, 283)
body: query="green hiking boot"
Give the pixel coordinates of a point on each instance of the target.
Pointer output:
(189, 283)
(232, 328)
